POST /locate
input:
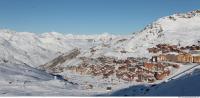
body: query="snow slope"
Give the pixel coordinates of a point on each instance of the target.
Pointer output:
(186, 85)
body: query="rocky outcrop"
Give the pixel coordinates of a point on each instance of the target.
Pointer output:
(53, 66)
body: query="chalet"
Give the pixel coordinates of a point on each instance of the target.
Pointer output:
(105, 76)
(140, 78)
(194, 47)
(159, 76)
(110, 72)
(167, 72)
(119, 74)
(161, 57)
(96, 73)
(123, 68)
(139, 68)
(162, 75)
(127, 77)
(92, 50)
(148, 71)
(187, 47)
(131, 69)
(166, 50)
(162, 45)
(132, 59)
(127, 62)
(179, 51)
(196, 59)
(149, 66)
(150, 50)
(173, 47)
(149, 78)
(118, 61)
(145, 77)
(159, 67)
(153, 50)
(168, 57)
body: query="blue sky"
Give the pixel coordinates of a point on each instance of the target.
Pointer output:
(87, 16)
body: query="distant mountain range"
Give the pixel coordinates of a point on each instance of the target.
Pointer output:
(34, 58)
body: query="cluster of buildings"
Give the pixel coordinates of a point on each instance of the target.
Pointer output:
(172, 53)
(130, 69)
(178, 58)
(164, 48)
(141, 69)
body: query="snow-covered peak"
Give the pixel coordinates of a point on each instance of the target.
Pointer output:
(175, 29)
(52, 34)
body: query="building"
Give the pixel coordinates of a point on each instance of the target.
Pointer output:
(196, 59)
(168, 57)
(184, 58)
(159, 67)
(161, 57)
(140, 78)
(171, 57)
(149, 66)
(154, 59)
(162, 75)
(154, 66)
(159, 76)
(180, 58)
(153, 50)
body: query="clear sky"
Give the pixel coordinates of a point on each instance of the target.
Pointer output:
(87, 16)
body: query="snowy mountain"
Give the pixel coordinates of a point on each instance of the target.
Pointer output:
(30, 61)
(176, 29)
(37, 49)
